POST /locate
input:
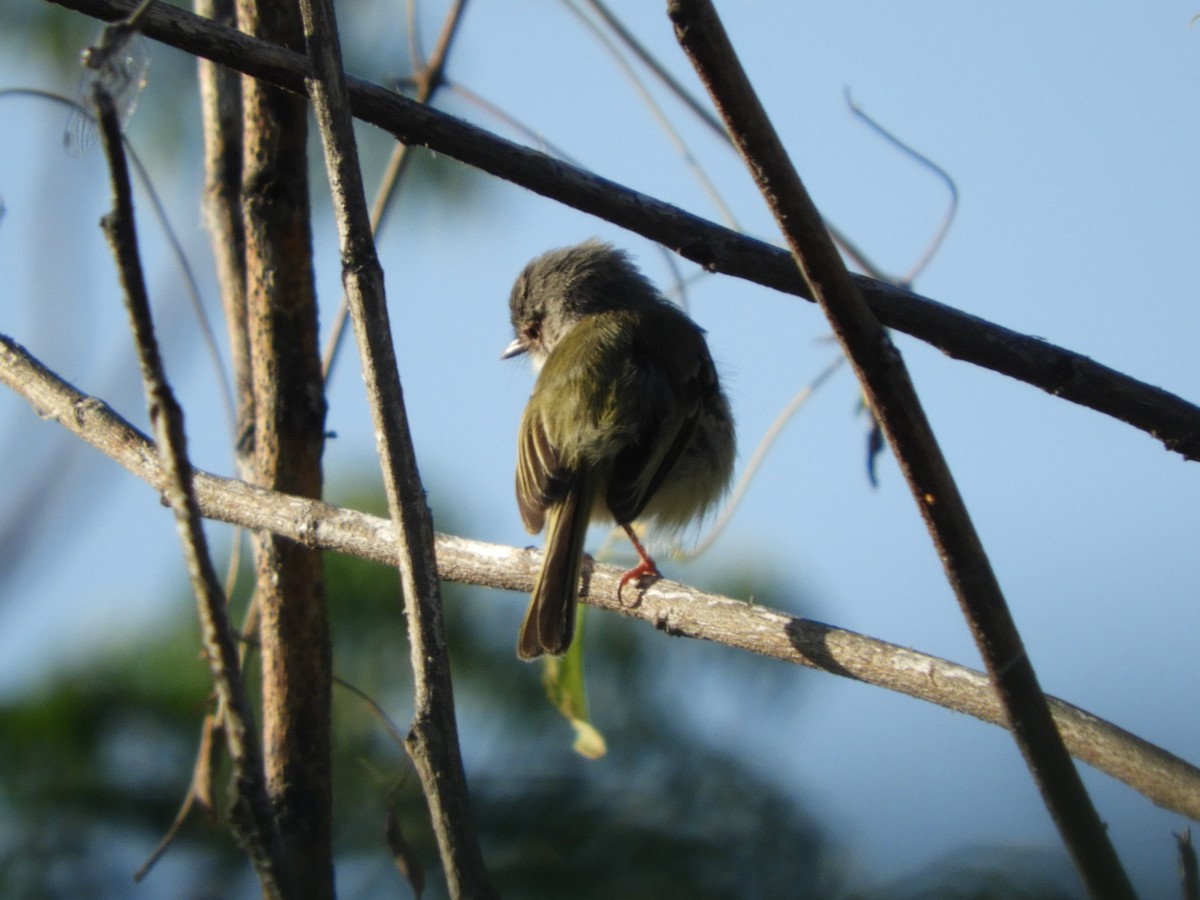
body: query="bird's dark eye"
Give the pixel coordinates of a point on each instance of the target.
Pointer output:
(532, 332)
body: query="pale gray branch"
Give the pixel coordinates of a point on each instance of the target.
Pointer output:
(1163, 778)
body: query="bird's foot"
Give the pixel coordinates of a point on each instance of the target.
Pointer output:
(645, 572)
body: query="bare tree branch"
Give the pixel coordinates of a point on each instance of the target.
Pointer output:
(254, 819)
(896, 406)
(221, 111)
(286, 446)
(432, 740)
(1058, 371)
(1163, 778)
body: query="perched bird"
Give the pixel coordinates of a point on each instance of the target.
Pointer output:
(627, 420)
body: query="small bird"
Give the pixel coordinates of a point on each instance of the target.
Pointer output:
(627, 420)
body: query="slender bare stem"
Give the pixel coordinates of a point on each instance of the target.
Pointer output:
(760, 454)
(429, 78)
(655, 110)
(433, 736)
(943, 228)
(253, 816)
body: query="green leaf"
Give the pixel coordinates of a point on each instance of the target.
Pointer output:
(567, 690)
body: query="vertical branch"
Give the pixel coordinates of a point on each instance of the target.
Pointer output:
(221, 112)
(432, 740)
(287, 443)
(253, 818)
(894, 401)
(1189, 871)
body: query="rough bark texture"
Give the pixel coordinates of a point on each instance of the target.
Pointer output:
(288, 438)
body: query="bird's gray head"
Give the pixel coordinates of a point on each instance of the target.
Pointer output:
(559, 288)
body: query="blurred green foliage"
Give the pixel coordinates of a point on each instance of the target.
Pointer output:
(94, 763)
(104, 754)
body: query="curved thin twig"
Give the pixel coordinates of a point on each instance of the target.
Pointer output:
(760, 453)
(951, 210)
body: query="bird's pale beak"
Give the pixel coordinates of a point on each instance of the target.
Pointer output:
(516, 348)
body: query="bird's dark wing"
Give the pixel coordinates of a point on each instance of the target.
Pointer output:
(671, 377)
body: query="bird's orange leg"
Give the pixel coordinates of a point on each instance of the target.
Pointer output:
(645, 570)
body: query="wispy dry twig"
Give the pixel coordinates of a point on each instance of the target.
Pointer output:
(253, 816)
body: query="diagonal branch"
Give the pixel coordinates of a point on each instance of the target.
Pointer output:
(432, 740)
(1058, 371)
(253, 817)
(679, 610)
(894, 401)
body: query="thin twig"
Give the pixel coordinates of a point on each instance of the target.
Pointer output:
(377, 711)
(674, 86)
(206, 331)
(1060, 372)
(896, 406)
(253, 815)
(760, 453)
(220, 101)
(530, 134)
(186, 273)
(433, 736)
(197, 792)
(430, 76)
(1163, 778)
(221, 125)
(660, 71)
(656, 111)
(951, 210)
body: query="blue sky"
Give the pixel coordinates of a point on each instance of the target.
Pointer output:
(1071, 131)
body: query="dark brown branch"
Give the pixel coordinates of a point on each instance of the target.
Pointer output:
(1189, 871)
(1058, 371)
(254, 820)
(674, 608)
(286, 446)
(894, 402)
(432, 740)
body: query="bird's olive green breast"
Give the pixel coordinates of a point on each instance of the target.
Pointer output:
(611, 376)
